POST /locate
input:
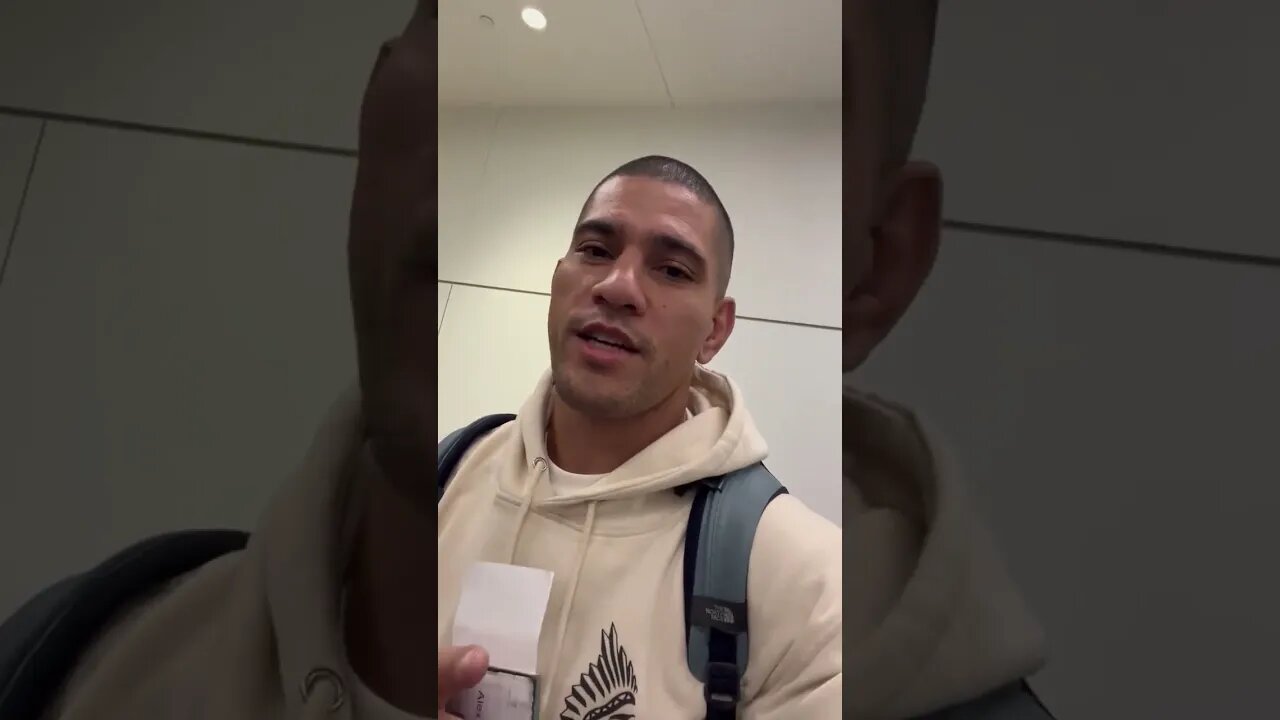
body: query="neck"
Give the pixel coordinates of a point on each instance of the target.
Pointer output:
(389, 633)
(588, 445)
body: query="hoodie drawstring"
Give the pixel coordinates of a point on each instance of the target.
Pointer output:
(573, 592)
(526, 503)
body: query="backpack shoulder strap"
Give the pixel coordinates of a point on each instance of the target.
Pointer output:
(450, 450)
(41, 644)
(717, 552)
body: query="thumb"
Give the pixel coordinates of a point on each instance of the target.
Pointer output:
(460, 668)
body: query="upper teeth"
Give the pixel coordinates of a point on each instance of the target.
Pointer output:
(599, 339)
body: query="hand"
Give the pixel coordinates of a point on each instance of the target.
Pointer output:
(459, 668)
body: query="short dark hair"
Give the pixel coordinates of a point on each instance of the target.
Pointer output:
(666, 169)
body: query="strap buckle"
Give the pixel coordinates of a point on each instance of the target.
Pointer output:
(722, 687)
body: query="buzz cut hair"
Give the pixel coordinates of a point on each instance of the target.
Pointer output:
(667, 169)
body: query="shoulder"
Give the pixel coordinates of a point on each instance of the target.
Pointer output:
(202, 590)
(794, 610)
(166, 616)
(796, 550)
(793, 532)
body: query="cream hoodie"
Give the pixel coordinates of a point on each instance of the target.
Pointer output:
(933, 618)
(616, 550)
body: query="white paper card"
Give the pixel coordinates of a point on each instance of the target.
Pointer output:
(499, 696)
(501, 610)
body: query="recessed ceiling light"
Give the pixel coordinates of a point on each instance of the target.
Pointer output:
(534, 18)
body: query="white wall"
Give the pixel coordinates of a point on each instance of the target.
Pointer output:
(1148, 122)
(512, 183)
(173, 312)
(289, 71)
(173, 323)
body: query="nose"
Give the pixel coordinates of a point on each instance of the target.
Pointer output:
(621, 288)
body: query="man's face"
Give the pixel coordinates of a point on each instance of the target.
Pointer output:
(634, 303)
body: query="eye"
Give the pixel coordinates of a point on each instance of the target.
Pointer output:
(593, 251)
(675, 272)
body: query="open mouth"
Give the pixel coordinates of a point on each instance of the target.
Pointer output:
(605, 341)
(606, 338)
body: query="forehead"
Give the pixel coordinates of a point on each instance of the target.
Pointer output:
(650, 205)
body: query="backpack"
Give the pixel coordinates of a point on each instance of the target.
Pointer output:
(41, 644)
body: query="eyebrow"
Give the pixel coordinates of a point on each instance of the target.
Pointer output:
(680, 246)
(599, 227)
(670, 243)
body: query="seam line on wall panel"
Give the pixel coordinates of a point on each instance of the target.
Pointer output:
(793, 323)
(1113, 243)
(654, 52)
(176, 131)
(22, 202)
(444, 312)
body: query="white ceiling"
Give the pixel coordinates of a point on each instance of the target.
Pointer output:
(639, 52)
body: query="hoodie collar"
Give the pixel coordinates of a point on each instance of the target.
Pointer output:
(719, 438)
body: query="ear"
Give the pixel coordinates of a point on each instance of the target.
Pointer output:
(721, 328)
(904, 245)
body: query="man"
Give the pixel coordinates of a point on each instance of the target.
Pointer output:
(934, 626)
(583, 481)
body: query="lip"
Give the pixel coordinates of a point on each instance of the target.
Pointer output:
(609, 333)
(601, 357)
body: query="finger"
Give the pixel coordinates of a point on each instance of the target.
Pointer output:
(460, 668)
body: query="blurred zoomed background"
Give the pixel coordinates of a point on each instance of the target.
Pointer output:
(1099, 340)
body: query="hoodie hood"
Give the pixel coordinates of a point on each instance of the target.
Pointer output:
(719, 438)
(932, 617)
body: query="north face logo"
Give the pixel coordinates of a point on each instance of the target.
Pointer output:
(720, 614)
